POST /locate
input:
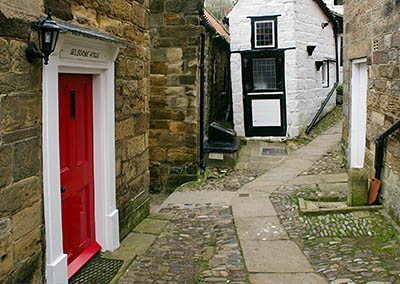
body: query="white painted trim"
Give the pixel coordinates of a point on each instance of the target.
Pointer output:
(358, 111)
(106, 214)
(255, 33)
(265, 93)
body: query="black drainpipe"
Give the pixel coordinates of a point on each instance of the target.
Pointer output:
(380, 149)
(202, 74)
(336, 32)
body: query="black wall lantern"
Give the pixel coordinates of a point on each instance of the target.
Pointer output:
(48, 31)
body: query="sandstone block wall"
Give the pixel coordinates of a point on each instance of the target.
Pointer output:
(371, 32)
(174, 101)
(21, 213)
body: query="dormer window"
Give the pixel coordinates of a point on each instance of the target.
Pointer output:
(264, 32)
(338, 2)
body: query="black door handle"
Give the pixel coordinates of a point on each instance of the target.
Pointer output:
(63, 189)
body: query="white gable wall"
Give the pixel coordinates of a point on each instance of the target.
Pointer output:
(304, 102)
(299, 25)
(240, 31)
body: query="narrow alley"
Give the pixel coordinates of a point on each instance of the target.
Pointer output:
(252, 231)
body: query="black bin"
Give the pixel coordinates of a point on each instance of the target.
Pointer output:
(221, 139)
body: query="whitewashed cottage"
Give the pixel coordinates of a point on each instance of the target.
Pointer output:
(283, 63)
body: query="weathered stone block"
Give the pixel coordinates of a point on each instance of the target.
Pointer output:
(380, 57)
(177, 127)
(124, 128)
(357, 194)
(19, 195)
(26, 220)
(157, 6)
(4, 56)
(159, 68)
(6, 255)
(180, 155)
(26, 159)
(60, 9)
(135, 146)
(23, 134)
(140, 17)
(187, 79)
(6, 165)
(170, 140)
(174, 55)
(184, 5)
(20, 111)
(5, 226)
(28, 245)
(173, 19)
(158, 154)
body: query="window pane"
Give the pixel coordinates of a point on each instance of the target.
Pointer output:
(264, 34)
(264, 73)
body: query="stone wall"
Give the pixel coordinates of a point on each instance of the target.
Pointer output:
(21, 218)
(217, 68)
(174, 104)
(371, 32)
(21, 214)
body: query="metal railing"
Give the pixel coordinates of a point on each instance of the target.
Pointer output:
(315, 119)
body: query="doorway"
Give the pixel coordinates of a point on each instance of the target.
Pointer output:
(264, 93)
(76, 169)
(358, 119)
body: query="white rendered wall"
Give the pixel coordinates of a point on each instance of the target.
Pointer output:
(303, 104)
(298, 26)
(240, 31)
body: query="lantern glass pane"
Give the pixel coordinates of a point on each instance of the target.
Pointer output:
(47, 37)
(40, 35)
(55, 37)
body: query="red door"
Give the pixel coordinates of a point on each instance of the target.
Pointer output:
(76, 164)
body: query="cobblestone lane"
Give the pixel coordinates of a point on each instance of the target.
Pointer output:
(356, 247)
(198, 246)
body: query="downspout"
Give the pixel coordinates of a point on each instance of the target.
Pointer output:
(336, 32)
(202, 81)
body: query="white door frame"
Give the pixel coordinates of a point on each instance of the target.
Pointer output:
(99, 63)
(358, 112)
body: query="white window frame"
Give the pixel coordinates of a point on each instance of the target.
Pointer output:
(255, 33)
(325, 74)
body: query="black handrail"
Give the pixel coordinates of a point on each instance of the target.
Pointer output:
(380, 149)
(314, 121)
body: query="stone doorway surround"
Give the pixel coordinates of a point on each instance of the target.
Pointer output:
(80, 51)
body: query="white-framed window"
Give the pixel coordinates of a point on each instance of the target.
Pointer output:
(325, 74)
(264, 33)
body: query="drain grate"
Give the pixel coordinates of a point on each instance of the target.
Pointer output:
(273, 151)
(97, 270)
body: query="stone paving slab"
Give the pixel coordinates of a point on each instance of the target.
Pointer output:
(199, 197)
(260, 228)
(252, 205)
(327, 178)
(151, 226)
(287, 278)
(281, 256)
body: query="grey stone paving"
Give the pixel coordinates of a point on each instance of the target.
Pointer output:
(199, 245)
(356, 247)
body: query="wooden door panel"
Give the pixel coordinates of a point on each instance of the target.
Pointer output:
(76, 163)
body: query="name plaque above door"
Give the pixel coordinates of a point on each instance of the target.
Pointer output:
(82, 53)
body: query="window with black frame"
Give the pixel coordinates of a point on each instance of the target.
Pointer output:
(264, 32)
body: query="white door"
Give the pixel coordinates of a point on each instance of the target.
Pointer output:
(358, 119)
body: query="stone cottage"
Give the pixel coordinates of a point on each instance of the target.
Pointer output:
(74, 135)
(184, 54)
(372, 94)
(283, 65)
